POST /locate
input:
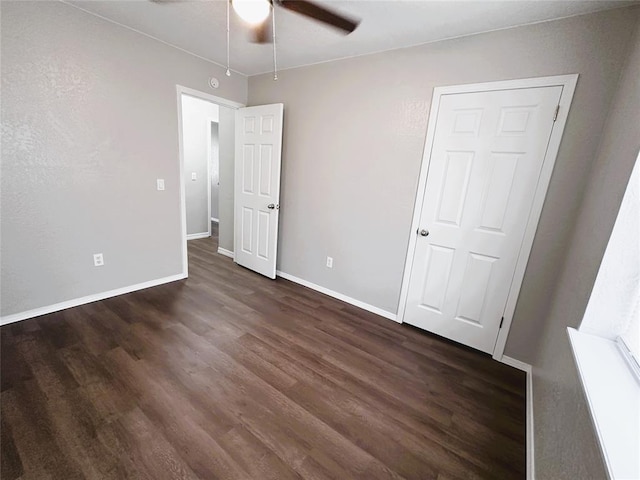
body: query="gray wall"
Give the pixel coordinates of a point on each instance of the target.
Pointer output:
(215, 171)
(89, 121)
(227, 155)
(565, 446)
(197, 115)
(349, 180)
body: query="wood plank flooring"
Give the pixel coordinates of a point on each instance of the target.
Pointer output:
(228, 375)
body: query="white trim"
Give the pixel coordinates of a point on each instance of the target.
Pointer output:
(183, 202)
(531, 459)
(226, 253)
(528, 369)
(183, 195)
(36, 312)
(211, 98)
(215, 220)
(568, 84)
(339, 296)
(196, 236)
(512, 362)
(612, 393)
(535, 82)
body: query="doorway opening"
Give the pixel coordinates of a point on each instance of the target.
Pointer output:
(214, 180)
(200, 143)
(206, 137)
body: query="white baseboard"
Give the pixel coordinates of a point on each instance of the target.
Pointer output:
(215, 220)
(36, 312)
(512, 362)
(195, 236)
(326, 291)
(339, 296)
(225, 252)
(531, 464)
(525, 367)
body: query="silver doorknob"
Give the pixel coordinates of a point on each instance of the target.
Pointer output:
(271, 206)
(423, 232)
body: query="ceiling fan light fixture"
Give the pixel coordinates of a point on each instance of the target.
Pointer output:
(252, 11)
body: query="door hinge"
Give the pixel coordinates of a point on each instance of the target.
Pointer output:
(555, 115)
(501, 321)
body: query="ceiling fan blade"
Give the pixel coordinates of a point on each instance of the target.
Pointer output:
(321, 14)
(262, 33)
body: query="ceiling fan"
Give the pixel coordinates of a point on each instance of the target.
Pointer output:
(257, 13)
(260, 15)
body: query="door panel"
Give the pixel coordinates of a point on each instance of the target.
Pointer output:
(437, 277)
(257, 190)
(487, 155)
(263, 235)
(497, 191)
(454, 187)
(266, 152)
(247, 169)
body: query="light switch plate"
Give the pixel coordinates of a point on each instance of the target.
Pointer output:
(160, 183)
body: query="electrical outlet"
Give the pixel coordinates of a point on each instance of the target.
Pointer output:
(329, 262)
(160, 183)
(98, 260)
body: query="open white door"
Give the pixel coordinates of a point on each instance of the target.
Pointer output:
(257, 187)
(484, 170)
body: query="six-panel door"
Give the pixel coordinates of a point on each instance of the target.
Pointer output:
(486, 159)
(257, 187)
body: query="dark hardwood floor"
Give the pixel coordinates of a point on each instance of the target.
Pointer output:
(228, 375)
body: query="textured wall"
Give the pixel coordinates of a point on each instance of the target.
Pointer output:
(565, 445)
(197, 115)
(349, 180)
(227, 154)
(89, 121)
(215, 171)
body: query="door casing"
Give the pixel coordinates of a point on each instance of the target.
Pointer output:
(568, 82)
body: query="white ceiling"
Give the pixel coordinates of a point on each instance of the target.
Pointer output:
(199, 27)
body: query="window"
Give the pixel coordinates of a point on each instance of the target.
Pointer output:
(613, 309)
(607, 344)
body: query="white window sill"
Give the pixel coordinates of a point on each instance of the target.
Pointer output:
(613, 395)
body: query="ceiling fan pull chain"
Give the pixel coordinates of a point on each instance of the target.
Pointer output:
(275, 59)
(228, 56)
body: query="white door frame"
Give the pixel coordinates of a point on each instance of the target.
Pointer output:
(183, 201)
(568, 82)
